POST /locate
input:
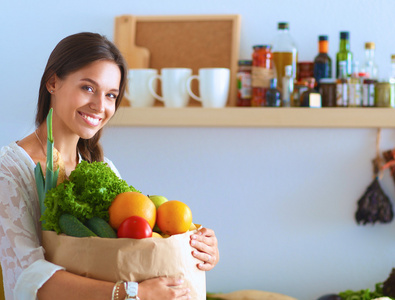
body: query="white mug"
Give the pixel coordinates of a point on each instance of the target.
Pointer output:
(138, 91)
(174, 86)
(213, 86)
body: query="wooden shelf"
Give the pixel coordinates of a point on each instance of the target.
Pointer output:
(255, 117)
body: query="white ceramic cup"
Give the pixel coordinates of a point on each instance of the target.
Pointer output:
(213, 86)
(174, 86)
(138, 91)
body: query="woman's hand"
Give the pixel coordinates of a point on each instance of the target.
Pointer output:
(206, 248)
(165, 288)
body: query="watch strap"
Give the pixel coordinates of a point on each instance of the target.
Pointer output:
(131, 289)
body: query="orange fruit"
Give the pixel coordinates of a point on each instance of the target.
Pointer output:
(174, 217)
(130, 204)
(156, 235)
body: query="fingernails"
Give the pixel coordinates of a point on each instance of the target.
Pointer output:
(193, 243)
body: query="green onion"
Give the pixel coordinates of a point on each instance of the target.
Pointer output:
(49, 182)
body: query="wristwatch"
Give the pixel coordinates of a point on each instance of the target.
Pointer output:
(131, 289)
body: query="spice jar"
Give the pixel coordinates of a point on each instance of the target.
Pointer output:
(262, 71)
(327, 90)
(385, 94)
(244, 89)
(368, 92)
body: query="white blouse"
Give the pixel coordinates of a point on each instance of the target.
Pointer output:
(25, 269)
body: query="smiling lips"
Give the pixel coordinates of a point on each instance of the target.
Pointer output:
(91, 120)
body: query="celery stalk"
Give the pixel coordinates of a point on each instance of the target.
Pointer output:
(45, 184)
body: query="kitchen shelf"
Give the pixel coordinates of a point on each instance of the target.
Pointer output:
(255, 117)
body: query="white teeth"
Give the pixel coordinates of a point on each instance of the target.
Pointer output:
(94, 121)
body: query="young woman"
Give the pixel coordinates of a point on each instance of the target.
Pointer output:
(84, 82)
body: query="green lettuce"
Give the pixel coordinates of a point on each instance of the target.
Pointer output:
(87, 193)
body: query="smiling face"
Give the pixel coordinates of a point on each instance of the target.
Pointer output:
(84, 100)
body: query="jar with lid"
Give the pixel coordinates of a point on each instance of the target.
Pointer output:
(385, 94)
(261, 72)
(368, 92)
(327, 89)
(244, 90)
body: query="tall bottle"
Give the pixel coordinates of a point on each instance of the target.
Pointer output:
(322, 62)
(370, 67)
(284, 52)
(344, 54)
(287, 87)
(342, 86)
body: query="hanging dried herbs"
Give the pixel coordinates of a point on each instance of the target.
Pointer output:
(374, 205)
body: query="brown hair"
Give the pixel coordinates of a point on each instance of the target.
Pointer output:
(71, 54)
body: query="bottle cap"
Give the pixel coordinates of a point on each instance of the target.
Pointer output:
(245, 62)
(257, 47)
(283, 25)
(327, 81)
(323, 38)
(370, 45)
(310, 82)
(344, 35)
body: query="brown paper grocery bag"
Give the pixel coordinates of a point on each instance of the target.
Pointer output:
(127, 259)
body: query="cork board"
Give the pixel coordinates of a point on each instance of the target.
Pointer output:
(194, 42)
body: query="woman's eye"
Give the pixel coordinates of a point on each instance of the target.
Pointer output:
(112, 96)
(88, 88)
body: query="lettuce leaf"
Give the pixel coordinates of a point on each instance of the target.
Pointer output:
(87, 193)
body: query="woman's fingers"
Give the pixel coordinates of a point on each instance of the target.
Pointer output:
(206, 248)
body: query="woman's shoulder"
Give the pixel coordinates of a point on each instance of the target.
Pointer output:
(14, 158)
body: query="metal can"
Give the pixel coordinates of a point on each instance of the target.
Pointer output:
(244, 90)
(368, 92)
(262, 71)
(385, 94)
(327, 90)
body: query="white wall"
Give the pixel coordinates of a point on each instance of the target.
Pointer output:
(280, 200)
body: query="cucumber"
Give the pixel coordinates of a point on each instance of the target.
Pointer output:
(71, 226)
(101, 228)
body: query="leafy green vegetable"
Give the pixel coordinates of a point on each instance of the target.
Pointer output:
(86, 194)
(363, 294)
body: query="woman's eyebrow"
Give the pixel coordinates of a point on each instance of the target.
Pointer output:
(95, 83)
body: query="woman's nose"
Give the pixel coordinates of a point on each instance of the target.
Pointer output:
(97, 103)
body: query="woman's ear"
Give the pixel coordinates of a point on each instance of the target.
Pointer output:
(51, 83)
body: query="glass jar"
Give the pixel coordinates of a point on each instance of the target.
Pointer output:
(262, 71)
(327, 90)
(385, 94)
(368, 92)
(244, 90)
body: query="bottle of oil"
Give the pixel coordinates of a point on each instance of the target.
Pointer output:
(342, 86)
(284, 52)
(344, 54)
(322, 62)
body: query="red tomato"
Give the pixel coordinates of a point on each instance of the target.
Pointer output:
(134, 227)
